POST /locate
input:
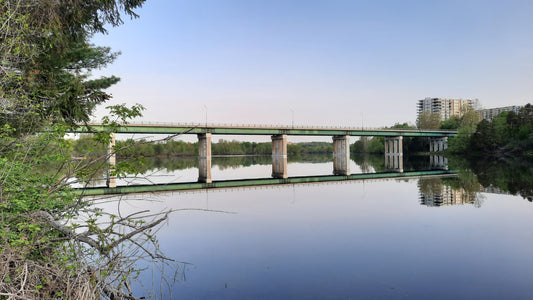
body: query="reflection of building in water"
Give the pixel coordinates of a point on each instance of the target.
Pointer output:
(434, 193)
(447, 196)
(493, 190)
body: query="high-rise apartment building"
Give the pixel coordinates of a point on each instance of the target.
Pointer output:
(490, 113)
(444, 107)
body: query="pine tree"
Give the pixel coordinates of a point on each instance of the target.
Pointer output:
(46, 59)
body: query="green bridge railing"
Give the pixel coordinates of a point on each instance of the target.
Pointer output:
(267, 130)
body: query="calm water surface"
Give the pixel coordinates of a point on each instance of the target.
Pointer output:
(415, 238)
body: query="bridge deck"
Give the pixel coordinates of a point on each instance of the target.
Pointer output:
(268, 130)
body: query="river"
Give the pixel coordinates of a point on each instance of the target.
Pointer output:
(438, 237)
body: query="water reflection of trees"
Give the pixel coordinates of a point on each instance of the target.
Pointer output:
(148, 165)
(474, 176)
(506, 175)
(370, 162)
(503, 176)
(376, 162)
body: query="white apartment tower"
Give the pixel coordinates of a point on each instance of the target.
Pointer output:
(444, 107)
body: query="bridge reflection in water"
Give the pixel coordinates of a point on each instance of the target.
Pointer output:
(243, 183)
(341, 145)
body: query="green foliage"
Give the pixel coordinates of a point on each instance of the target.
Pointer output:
(461, 142)
(469, 117)
(86, 146)
(402, 126)
(428, 120)
(32, 179)
(47, 59)
(512, 175)
(365, 145)
(35, 194)
(509, 133)
(46, 87)
(454, 122)
(377, 144)
(224, 147)
(370, 162)
(311, 148)
(143, 148)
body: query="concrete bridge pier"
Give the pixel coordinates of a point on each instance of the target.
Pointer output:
(341, 155)
(204, 157)
(438, 144)
(394, 153)
(111, 180)
(279, 156)
(393, 145)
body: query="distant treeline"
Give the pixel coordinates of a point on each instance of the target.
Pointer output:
(170, 148)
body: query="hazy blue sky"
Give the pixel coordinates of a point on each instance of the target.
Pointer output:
(325, 62)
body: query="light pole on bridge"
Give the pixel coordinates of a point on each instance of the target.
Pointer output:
(205, 106)
(292, 118)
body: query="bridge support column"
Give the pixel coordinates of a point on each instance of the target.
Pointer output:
(279, 156)
(437, 144)
(394, 153)
(111, 180)
(341, 155)
(204, 157)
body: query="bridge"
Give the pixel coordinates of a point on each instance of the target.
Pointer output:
(254, 129)
(279, 133)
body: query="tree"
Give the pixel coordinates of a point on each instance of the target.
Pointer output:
(461, 142)
(428, 120)
(47, 59)
(484, 139)
(402, 126)
(469, 117)
(454, 122)
(54, 243)
(502, 130)
(526, 115)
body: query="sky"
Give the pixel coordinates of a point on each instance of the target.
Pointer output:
(324, 63)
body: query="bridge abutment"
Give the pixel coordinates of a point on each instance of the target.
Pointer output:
(341, 155)
(204, 157)
(279, 156)
(394, 153)
(111, 180)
